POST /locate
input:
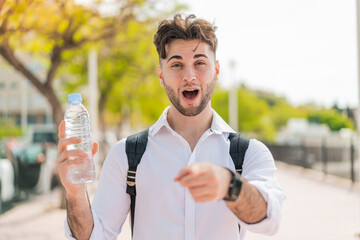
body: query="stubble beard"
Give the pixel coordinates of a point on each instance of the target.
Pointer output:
(191, 110)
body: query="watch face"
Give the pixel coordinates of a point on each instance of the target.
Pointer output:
(234, 188)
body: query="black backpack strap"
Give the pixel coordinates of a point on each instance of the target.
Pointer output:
(135, 147)
(238, 147)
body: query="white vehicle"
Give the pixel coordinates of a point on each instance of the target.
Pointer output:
(8, 189)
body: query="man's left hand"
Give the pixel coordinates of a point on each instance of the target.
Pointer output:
(205, 181)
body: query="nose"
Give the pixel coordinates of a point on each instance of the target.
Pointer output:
(189, 74)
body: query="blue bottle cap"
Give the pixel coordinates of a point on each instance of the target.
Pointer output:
(74, 98)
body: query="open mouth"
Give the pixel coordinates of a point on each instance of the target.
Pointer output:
(190, 94)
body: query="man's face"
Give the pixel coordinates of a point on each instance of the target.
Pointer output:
(188, 74)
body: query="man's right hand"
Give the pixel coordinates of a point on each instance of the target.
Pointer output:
(68, 158)
(79, 216)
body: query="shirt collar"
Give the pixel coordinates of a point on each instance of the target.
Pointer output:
(218, 125)
(161, 122)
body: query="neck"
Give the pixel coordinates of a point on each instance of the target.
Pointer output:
(191, 128)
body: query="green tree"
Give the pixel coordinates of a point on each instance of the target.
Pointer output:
(45, 30)
(220, 102)
(254, 113)
(8, 128)
(280, 110)
(128, 84)
(263, 113)
(331, 117)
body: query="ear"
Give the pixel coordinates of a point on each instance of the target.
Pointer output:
(217, 69)
(160, 75)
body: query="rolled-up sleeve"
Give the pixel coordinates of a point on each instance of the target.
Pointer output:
(259, 171)
(110, 205)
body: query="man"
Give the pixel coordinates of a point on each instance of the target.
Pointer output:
(186, 170)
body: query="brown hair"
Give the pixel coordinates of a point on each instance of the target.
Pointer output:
(189, 28)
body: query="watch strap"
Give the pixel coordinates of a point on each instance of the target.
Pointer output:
(234, 187)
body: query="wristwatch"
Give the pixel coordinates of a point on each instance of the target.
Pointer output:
(234, 187)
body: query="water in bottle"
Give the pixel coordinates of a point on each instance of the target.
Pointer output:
(77, 122)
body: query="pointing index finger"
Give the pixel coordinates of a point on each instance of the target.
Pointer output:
(183, 172)
(192, 170)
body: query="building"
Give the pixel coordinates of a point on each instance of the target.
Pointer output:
(18, 97)
(299, 131)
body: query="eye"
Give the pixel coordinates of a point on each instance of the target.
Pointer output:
(176, 65)
(200, 63)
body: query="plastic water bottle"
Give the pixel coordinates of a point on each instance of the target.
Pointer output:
(78, 125)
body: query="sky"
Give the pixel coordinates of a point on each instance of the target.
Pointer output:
(303, 50)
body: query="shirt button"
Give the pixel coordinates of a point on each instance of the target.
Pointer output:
(188, 223)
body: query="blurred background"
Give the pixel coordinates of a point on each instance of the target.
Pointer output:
(289, 77)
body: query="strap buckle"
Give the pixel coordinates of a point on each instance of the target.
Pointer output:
(131, 178)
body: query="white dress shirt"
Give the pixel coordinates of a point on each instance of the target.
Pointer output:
(164, 209)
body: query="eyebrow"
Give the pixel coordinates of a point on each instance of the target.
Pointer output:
(200, 55)
(195, 56)
(175, 57)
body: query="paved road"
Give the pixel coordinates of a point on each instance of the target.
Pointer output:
(318, 207)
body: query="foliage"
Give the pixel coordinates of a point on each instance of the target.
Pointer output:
(8, 128)
(220, 102)
(263, 114)
(281, 110)
(52, 31)
(136, 89)
(128, 84)
(331, 117)
(254, 112)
